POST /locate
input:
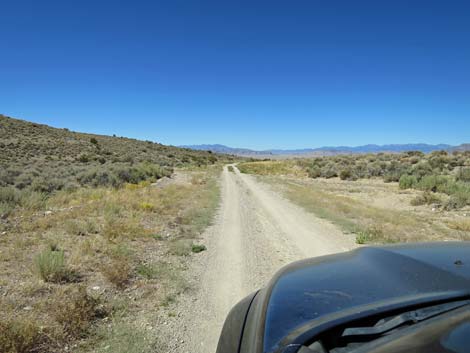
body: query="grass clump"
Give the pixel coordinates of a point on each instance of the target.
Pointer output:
(118, 271)
(371, 234)
(462, 225)
(426, 198)
(181, 247)
(51, 266)
(75, 311)
(123, 337)
(197, 248)
(147, 271)
(22, 335)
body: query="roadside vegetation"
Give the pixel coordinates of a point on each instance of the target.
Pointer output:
(380, 198)
(90, 249)
(37, 160)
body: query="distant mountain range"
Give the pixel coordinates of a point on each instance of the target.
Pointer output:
(326, 151)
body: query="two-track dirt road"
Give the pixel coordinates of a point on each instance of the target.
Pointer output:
(255, 233)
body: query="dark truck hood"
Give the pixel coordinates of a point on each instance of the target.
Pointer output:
(311, 293)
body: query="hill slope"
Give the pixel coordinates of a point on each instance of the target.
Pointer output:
(48, 158)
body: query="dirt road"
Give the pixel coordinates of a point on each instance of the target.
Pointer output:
(255, 233)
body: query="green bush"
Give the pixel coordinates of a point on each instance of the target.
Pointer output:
(408, 182)
(197, 248)
(433, 183)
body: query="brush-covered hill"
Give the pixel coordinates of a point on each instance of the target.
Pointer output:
(44, 158)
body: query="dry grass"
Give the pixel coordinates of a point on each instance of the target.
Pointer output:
(287, 167)
(460, 224)
(370, 223)
(22, 335)
(118, 245)
(75, 310)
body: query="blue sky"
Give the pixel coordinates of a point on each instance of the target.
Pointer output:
(257, 74)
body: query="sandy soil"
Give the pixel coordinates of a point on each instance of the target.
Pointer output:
(255, 233)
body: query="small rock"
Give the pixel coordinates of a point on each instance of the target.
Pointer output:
(3, 233)
(27, 308)
(47, 213)
(433, 209)
(96, 288)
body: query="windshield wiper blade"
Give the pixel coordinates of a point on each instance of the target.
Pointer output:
(414, 316)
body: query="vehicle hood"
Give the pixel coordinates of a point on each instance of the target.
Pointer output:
(309, 291)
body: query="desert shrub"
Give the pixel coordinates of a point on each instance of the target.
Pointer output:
(392, 176)
(83, 158)
(46, 185)
(23, 181)
(329, 171)
(422, 169)
(51, 266)
(75, 311)
(6, 209)
(94, 141)
(314, 171)
(212, 159)
(426, 198)
(32, 200)
(9, 195)
(433, 183)
(230, 169)
(22, 335)
(407, 181)
(438, 162)
(347, 174)
(81, 227)
(463, 174)
(458, 200)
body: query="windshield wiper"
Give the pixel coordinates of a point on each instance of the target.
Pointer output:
(383, 326)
